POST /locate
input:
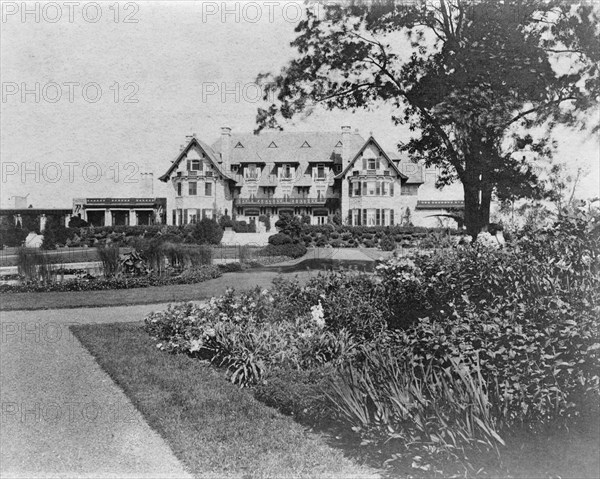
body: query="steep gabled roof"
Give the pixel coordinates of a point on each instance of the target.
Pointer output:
(371, 140)
(325, 147)
(206, 149)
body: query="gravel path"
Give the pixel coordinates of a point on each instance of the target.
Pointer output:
(62, 416)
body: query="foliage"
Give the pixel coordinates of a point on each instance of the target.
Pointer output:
(133, 263)
(11, 234)
(77, 222)
(290, 250)
(471, 78)
(55, 233)
(90, 283)
(266, 220)
(290, 225)
(33, 265)
(207, 231)
(440, 415)
(279, 239)
(300, 393)
(109, 256)
(387, 243)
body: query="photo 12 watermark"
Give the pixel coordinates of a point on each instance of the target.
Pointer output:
(70, 172)
(41, 332)
(71, 412)
(70, 12)
(70, 92)
(237, 92)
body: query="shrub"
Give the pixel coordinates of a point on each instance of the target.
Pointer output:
(56, 233)
(207, 231)
(290, 225)
(291, 250)
(387, 243)
(279, 239)
(11, 235)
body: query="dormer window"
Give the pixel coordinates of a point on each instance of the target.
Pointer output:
(194, 165)
(373, 164)
(286, 172)
(321, 172)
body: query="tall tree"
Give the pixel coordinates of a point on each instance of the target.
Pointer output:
(471, 78)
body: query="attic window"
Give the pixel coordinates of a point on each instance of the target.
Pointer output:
(305, 145)
(272, 145)
(339, 143)
(239, 145)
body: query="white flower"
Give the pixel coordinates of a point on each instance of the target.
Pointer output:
(317, 315)
(195, 345)
(487, 240)
(210, 332)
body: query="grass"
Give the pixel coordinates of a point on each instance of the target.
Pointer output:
(213, 427)
(153, 294)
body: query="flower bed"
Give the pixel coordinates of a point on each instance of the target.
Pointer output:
(91, 283)
(434, 361)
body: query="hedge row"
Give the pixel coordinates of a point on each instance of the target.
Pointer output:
(374, 236)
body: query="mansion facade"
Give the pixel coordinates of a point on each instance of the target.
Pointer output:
(317, 174)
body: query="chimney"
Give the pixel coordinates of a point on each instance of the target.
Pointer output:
(225, 148)
(346, 132)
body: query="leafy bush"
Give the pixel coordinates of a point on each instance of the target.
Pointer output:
(11, 235)
(207, 231)
(387, 243)
(56, 233)
(279, 239)
(290, 225)
(291, 250)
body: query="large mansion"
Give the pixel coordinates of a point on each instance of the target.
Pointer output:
(317, 174)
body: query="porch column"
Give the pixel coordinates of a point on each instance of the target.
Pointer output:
(107, 218)
(43, 220)
(132, 218)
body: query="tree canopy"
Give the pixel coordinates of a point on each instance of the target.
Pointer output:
(472, 79)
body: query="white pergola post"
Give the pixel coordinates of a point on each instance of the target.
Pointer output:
(107, 218)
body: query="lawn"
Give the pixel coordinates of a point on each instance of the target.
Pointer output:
(154, 294)
(215, 428)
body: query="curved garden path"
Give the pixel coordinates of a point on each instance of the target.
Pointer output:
(62, 416)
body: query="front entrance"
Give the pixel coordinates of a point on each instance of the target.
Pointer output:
(95, 218)
(120, 218)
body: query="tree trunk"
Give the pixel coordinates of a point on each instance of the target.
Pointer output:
(484, 207)
(472, 208)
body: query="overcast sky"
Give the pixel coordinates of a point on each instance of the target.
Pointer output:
(94, 95)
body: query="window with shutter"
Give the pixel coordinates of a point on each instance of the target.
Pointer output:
(391, 217)
(185, 216)
(391, 189)
(364, 217)
(378, 188)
